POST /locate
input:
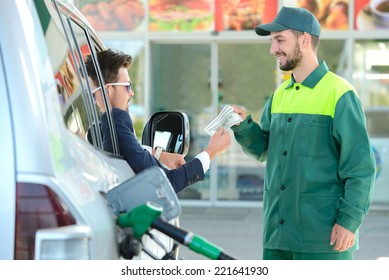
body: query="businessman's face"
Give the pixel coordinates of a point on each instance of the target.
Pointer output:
(120, 91)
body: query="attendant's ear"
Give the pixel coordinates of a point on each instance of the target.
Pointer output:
(306, 39)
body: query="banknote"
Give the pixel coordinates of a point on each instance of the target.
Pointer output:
(225, 119)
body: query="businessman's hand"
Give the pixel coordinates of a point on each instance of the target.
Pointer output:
(218, 143)
(171, 160)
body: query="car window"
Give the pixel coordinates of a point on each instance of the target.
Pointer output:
(79, 42)
(68, 45)
(88, 46)
(70, 82)
(84, 45)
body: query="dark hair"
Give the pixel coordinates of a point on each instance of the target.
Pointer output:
(314, 39)
(110, 62)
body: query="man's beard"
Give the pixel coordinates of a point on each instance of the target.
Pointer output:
(293, 62)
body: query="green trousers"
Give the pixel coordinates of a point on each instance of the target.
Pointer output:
(269, 254)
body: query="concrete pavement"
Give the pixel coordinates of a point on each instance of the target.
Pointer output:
(238, 231)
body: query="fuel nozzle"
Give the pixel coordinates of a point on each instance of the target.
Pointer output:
(140, 218)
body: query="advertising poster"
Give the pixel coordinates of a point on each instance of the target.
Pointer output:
(332, 14)
(370, 15)
(177, 15)
(181, 15)
(220, 15)
(113, 15)
(243, 14)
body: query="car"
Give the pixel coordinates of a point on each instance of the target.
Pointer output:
(55, 174)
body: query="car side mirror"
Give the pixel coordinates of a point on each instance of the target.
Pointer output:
(169, 130)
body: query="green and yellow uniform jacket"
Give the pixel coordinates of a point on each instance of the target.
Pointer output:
(320, 167)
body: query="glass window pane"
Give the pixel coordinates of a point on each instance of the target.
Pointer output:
(371, 79)
(334, 53)
(371, 60)
(76, 106)
(181, 81)
(82, 50)
(247, 77)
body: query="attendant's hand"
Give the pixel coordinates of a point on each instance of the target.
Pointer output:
(342, 238)
(218, 143)
(240, 111)
(171, 160)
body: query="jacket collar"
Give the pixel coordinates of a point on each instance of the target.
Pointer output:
(313, 78)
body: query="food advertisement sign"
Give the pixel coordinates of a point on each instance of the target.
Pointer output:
(223, 15)
(243, 14)
(332, 14)
(370, 15)
(177, 15)
(181, 15)
(210, 15)
(114, 15)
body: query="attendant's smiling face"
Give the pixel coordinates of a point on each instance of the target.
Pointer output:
(285, 46)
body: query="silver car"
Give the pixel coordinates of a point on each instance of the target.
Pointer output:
(54, 171)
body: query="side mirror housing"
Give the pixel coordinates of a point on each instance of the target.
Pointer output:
(169, 130)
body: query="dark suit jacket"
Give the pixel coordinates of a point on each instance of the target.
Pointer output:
(140, 159)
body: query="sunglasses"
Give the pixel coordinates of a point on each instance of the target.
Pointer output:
(126, 84)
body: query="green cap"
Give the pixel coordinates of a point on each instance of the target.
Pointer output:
(291, 18)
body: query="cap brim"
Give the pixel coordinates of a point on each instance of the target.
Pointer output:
(265, 29)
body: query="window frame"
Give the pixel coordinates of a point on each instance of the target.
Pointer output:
(94, 45)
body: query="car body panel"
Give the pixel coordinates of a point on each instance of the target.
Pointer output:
(36, 145)
(47, 111)
(7, 166)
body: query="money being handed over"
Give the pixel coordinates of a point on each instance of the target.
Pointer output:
(226, 119)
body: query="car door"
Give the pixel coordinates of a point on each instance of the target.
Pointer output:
(80, 113)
